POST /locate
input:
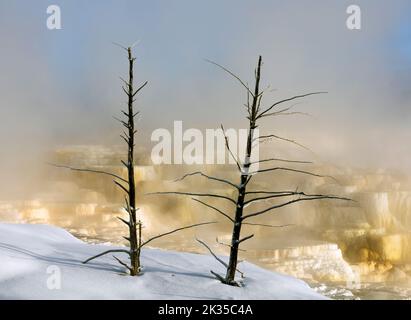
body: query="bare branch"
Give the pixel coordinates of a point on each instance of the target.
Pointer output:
(125, 164)
(280, 195)
(227, 145)
(218, 277)
(286, 100)
(121, 187)
(226, 244)
(124, 138)
(245, 238)
(212, 253)
(288, 114)
(125, 113)
(122, 263)
(292, 170)
(291, 202)
(125, 124)
(282, 160)
(119, 45)
(269, 192)
(125, 82)
(259, 99)
(284, 111)
(208, 177)
(219, 260)
(248, 103)
(124, 221)
(89, 170)
(272, 196)
(128, 207)
(176, 230)
(216, 209)
(140, 88)
(194, 194)
(268, 225)
(104, 253)
(232, 74)
(125, 91)
(284, 139)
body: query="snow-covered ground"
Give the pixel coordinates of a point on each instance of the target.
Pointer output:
(44, 262)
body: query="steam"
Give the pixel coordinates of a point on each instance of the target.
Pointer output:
(61, 88)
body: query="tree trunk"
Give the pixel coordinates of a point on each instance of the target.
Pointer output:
(238, 220)
(134, 249)
(235, 240)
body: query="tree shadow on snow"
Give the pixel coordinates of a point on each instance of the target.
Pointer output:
(60, 260)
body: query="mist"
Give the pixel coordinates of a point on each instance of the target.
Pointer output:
(62, 87)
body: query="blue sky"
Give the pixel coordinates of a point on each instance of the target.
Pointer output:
(71, 75)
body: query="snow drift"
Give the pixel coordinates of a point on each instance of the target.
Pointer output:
(31, 256)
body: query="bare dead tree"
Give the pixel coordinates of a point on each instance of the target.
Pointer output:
(128, 184)
(245, 198)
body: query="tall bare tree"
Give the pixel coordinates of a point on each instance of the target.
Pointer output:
(245, 197)
(128, 184)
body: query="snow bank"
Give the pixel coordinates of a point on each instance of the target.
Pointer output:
(33, 256)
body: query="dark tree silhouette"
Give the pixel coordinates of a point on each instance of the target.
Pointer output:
(245, 197)
(128, 184)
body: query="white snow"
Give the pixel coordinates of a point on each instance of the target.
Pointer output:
(31, 254)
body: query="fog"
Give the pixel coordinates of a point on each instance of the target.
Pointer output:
(61, 87)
